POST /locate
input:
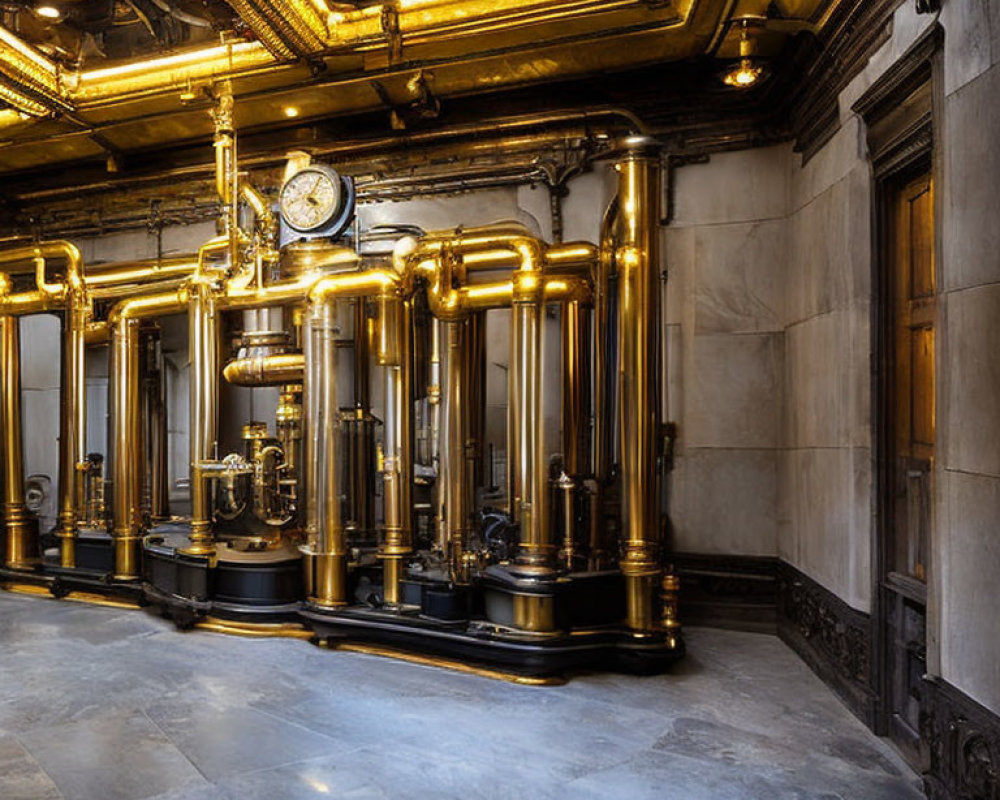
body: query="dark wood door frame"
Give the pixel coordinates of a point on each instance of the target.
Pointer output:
(900, 112)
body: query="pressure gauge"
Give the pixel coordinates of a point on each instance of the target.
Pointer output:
(311, 198)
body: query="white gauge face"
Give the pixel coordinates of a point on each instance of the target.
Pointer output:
(310, 198)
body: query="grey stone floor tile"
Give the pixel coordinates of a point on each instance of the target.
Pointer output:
(21, 778)
(111, 704)
(224, 740)
(118, 756)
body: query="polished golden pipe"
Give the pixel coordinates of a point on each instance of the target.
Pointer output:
(159, 480)
(530, 486)
(605, 381)
(395, 356)
(435, 401)
(454, 477)
(574, 410)
(134, 273)
(73, 427)
(126, 428)
(203, 346)
(73, 421)
(125, 438)
(20, 527)
(275, 369)
(326, 548)
(637, 261)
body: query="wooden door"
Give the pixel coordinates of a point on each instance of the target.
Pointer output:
(911, 313)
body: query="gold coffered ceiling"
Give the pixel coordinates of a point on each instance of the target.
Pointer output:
(326, 59)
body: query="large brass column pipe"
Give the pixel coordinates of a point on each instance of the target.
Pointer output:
(70, 295)
(454, 476)
(529, 472)
(21, 543)
(126, 423)
(395, 356)
(326, 548)
(203, 347)
(637, 261)
(605, 381)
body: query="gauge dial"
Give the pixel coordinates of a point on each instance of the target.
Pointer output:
(311, 198)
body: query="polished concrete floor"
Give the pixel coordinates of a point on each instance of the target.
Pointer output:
(108, 704)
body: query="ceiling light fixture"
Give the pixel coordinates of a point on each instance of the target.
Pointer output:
(48, 12)
(291, 112)
(748, 71)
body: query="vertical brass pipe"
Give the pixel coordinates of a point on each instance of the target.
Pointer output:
(574, 388)
(160, 505)
(395, 356)
(21, 542)
(476, 405)
(203, 346)
(529, 469)
(126, 435)
(605, 379)
(327, 548)
(73, 425)
(454, 475)
(434, 401)
(637, 261)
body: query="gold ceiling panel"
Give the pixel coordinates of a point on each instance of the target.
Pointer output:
(464, 47)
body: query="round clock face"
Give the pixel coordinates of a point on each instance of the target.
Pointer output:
(310, 198)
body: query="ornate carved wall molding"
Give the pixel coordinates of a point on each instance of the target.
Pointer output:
(830, 636)
(726, 591)
(960, 745)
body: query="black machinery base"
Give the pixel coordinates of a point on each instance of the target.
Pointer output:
(440, 619)
(483, 645)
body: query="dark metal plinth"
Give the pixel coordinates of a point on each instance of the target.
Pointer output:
(484, 645)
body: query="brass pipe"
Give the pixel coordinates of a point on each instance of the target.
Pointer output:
(605, 373)
(475, 370)
(454, 477)
(574, 388)
(203, 347)
(73, 426)
(326, 548)
(126, 437)
(143, 271)
(529, 472)
(20, 528)
(605, 379)
(436, 401)
(126, 430)
(637, 260)
(71, 293)
(394, 354)
(269, 370)
(361, 371)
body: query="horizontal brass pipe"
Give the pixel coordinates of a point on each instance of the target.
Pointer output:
(482, 133)
(269, 370)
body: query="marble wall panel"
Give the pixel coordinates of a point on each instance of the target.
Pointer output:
(741, 186)
(739, 277)
(969, 564)
(970, 374)
(970, 234)
(725, 501)
(734, 394)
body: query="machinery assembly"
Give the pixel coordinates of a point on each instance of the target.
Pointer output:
(328, 515)
(344, 463)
